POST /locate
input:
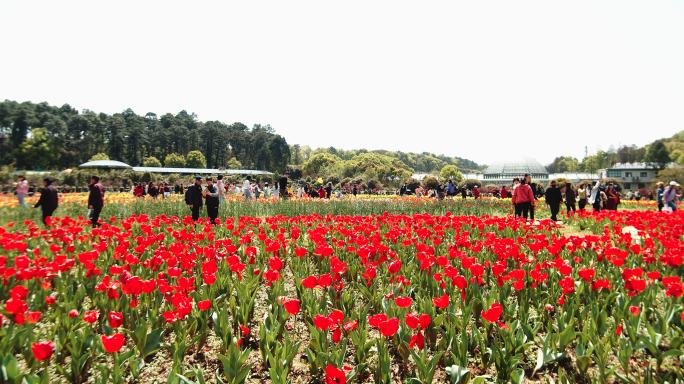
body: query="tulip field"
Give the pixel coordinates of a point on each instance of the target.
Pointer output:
(355, 290)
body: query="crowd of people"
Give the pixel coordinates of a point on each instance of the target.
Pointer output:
(523, 192)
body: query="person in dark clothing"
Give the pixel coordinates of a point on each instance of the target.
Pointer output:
(440, 191)
(282, 184)
(403, 190)
(153, 191)
(328, 191)
(533, 186)
(464, 192)
(95, 199)
(354, 190)
(48, 199)
(177, 189)
(211, 196)
(554, 198)
(569, 197)
(193, 198)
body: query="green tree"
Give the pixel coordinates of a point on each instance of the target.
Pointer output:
(196, 159)
(99, 156)
(313, 166)
(450, 172)
(174, 160)
(671, 174)
(151, 162)
(37, 151)
(430, 182)
(658, 154)
(233, 164)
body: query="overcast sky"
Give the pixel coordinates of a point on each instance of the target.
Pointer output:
(477, 79)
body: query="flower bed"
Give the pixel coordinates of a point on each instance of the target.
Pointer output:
(385, 298)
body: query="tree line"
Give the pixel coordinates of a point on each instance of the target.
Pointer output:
(659, 153)
(41, 136)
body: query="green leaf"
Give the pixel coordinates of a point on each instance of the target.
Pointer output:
(517, 377)
(566, 337)
(458, 375)
(153, 342)
(480, 379)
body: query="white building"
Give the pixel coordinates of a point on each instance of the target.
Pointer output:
(633, 175)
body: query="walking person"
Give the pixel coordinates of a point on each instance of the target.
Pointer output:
(22, 190)
(554, 198)
(167, 190)
(659, 195)
(670, 195)
(247, 188)
(569, 198)
(476, 192)
(95, 199)
(582, 194)
(282, 183)
(523, 198)
(194, 198)
(464, 192)
(211, 197)
(153, 191)
(48, 199)
(354, 190)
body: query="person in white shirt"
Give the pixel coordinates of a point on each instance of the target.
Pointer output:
(276, 191)
(221, 189)
(247, 188)
(267, 191)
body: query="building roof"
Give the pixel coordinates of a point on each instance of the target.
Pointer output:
(112, 164)
(515, 165)
(200, 171)
(641, 166)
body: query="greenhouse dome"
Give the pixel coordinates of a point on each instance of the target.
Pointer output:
(516, 166)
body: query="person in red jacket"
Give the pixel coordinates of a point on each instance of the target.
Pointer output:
(476, 192)
(523, 198)
(504, 192)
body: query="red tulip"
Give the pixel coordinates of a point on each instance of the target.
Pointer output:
(292, 307)
(113, 343)
(73, 313)
(275, 263)
(394, 266)
(204, 305)
(635, 310)
(19, 292)
(310, 282)
(50, 300)
(493, 313)
(325, 280)
(477, 270)
(403, 302)
(33, 317)
(91, 317)
(350, 325)
(376, 320)
(389, 328)
(337, 335)
(335, 376)
(417, 339)
(322, 322)
(245, 330)
(115, 319)
(42, 350)
(441, 302)
(655, 275)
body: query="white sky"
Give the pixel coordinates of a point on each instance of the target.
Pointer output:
(477, 79)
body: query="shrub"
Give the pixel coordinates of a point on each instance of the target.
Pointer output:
(151, 162)
(470, 183)
(196, 159)
(99, 156)
(174, 160)
(430, 182)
